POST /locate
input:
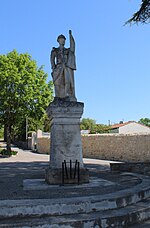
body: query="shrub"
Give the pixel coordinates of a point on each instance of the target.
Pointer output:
(5, 152)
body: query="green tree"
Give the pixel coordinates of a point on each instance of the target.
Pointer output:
(88, 124)
(145, 121)
(143, 14)
(23, 91)
(46, 123)
(1, 132)
(32, 124)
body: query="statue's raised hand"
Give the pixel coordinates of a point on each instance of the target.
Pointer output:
(70, 32)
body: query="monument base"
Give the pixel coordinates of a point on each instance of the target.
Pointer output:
(66, 145)
(54, 176)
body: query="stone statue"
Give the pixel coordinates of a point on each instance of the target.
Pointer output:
(63, 65)
(64, 114)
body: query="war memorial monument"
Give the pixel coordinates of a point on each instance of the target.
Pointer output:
(65, 113)
(117, 195)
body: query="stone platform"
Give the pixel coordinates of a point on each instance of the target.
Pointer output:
(111, 198)
(119, 208)
(40, 184)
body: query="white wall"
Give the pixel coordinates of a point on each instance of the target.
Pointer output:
(134, 128)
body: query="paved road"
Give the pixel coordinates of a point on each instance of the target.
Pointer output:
(29, 156)
(24, 156)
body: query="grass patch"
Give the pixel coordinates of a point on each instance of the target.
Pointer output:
(5, 152)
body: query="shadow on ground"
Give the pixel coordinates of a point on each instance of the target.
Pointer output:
(13, 174)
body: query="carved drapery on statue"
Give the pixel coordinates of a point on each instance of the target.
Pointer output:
(63, 63)
(71, 63)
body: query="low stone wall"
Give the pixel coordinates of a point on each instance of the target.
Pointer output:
(43, 145)
(117, 147)
(110, 146)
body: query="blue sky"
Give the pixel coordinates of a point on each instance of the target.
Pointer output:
(113, 70)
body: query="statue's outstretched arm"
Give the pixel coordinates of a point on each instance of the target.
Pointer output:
(72, 42)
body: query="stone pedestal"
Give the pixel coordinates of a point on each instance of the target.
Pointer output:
(65, 139)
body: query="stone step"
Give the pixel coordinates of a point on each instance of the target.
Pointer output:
(145, 224)
(118, 218)
(75, 205)
(135, 167)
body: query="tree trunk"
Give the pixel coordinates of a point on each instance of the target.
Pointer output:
(5, 133)
(8, 139)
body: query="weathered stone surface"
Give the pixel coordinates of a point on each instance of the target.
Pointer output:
(65, 138)
(63, 65)
(136, 167)
(74, 204)
(65, 133)
(123, 217)
(128, 147)
(54, 176)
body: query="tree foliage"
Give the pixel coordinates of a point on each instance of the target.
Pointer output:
(23, 90)
(102, 128)
(30, 124)
(90, 124)
(145, 121)
(1, 133)
(143, 14)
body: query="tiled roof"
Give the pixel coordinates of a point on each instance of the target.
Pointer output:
(121, 124)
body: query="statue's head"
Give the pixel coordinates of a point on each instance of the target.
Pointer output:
(61, 39)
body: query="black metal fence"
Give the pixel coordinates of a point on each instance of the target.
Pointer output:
(70, 172)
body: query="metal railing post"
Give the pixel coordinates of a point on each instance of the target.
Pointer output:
(66, 171)
(70, 169)
(63, 178)
(71, 175)
(78, 172)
